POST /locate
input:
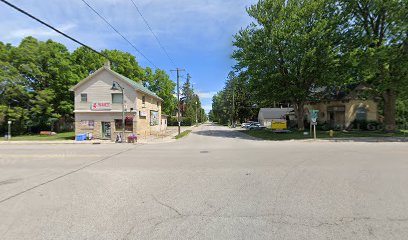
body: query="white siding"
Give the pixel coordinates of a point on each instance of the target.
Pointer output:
(98, 90)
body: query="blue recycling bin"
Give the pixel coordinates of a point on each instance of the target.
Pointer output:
(80, 137)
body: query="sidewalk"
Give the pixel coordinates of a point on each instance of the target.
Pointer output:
(96, 141)
(166, 137)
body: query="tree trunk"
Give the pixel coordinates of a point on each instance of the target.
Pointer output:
(390, 98)
(300, 115)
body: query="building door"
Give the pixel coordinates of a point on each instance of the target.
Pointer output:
(337, 117)
(106, 130)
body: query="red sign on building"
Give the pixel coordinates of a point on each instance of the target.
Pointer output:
(97, 106)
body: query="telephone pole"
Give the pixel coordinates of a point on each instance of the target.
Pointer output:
(178, 70)
(196, 103)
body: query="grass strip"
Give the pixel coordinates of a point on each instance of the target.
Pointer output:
(183, 134)
(268, 134)
(37, 137)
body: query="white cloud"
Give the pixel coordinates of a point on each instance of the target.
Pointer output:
(40, 31)
(206, 95)
(207, 108)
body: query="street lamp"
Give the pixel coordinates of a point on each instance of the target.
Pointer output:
(115, 87)
(9, 130)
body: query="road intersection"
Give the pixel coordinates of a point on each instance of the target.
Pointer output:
(216, 183)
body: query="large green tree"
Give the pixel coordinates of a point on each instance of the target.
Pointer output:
(288, 52)
(378, 34)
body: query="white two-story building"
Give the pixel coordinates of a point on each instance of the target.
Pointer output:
(98, 108)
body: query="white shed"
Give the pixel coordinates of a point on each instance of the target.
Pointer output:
(266, 115)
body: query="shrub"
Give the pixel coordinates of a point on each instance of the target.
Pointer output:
(185, 121)
(366, 125)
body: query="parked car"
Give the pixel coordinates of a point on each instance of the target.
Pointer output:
(255, 126)
(244, 125)
(250, 123)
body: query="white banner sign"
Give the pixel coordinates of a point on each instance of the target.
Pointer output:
(143, 113)
(97, 106)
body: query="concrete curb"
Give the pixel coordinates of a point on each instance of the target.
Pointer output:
(53, 142)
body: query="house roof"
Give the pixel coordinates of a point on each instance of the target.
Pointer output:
(136, 85)
(348, 92)
(274, 113)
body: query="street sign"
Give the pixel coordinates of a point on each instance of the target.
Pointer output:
(313, 118)
(313, 115)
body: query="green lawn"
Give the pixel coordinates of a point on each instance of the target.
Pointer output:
(267, 134)
(37, 137)
(183, 134)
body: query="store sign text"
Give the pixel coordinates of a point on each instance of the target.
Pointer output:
(96, 106)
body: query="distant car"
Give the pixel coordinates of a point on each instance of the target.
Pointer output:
(255, 126)
(244, 125)
(249, 124)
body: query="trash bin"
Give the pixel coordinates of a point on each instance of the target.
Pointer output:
(80, 137)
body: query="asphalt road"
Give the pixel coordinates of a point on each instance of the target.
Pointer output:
(214, 184)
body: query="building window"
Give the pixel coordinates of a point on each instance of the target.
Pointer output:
(84, 97)
(128, 124)
(116, 97)
(87, 124)
(157, 103)
(154, 118)
(144, 100)
(361, 114)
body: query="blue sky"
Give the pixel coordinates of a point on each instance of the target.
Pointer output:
(197, 34)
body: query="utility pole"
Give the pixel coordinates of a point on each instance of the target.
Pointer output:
(178, 70)
(196, 102)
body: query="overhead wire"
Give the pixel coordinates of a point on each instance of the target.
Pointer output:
(119, 33)
(54, 28)
(155, 36)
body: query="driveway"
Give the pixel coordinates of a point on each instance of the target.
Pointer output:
(216, 183)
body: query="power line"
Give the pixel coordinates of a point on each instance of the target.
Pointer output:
(53, 28)
(120, 34)
(155, 36)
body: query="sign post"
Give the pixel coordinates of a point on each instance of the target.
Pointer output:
(9, 130)
(313, 120)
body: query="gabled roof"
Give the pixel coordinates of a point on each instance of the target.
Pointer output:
(134, 84)
(274, 113)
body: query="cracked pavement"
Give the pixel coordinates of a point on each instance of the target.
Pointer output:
(215, 183)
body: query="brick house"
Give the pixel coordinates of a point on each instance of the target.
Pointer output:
(342, 110)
